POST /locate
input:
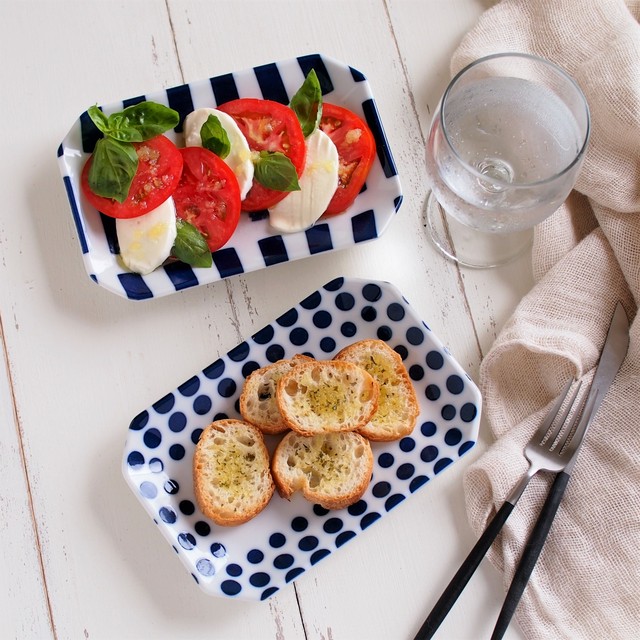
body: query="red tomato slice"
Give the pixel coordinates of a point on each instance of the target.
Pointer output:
(159, 169)
(356, 151)
(267, 126)
(208, 196)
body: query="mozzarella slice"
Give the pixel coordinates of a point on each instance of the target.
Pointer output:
(146, 241)
(318, 182)
(239, 158)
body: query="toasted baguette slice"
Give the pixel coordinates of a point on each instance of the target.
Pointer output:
(231, 475)
(258, 403)
(330, 469)
(326, 396)
(398, 407)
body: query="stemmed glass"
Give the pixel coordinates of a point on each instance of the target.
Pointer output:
(505, 148)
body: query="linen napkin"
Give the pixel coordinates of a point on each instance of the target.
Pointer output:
(586, 257)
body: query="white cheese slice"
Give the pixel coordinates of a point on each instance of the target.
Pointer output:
(318, 182)
(146, 241)
(239, 158)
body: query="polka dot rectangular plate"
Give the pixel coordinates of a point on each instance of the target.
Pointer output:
(254, 245)
(254, 560)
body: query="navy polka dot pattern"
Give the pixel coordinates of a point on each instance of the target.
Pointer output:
(256, 245)
(255, 560)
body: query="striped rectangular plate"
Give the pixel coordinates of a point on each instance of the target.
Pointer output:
(254, 245)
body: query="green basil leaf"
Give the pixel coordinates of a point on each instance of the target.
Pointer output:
(136, 123)
(99, 118)
(120, 129)
(272, 169)
(150, 119)
(112, 170)
(307, 103)
(214, 137)
(190, 246)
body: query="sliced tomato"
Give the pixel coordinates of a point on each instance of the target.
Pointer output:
(267, 126)
(208, 196)
(356, 152)
(159, 169)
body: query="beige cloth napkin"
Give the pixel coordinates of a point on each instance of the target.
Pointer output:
(586, 257)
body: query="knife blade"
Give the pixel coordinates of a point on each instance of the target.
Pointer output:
(611, 359)
(613, 354)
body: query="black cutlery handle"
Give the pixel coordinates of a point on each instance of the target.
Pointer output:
(464, 573)
(530, 554)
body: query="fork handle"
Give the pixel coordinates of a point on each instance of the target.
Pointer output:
(530, 554)
(464, 573)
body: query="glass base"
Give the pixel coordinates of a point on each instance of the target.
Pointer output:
(469, 247)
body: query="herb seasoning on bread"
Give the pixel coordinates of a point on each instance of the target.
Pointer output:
(398, 406)
(232, 478)
(327, 396)
(330, 469)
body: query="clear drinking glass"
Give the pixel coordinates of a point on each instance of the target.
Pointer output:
(504, 151)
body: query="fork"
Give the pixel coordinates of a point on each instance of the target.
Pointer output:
(549, 449)
(537, 538)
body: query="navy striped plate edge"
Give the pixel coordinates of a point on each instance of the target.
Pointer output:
(272, 248)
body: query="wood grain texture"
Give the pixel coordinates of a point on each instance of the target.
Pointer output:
(80, 558)
(20, 555)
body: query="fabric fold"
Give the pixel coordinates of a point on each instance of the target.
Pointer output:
(586, 258)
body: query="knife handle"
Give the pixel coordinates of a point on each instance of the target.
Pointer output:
(530, 554)
(464, 573)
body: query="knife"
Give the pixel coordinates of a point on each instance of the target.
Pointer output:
(611, 358)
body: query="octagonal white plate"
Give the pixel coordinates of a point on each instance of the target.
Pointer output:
(254, 245)
(256, 559)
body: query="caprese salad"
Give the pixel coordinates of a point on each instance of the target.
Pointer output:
(298, 161)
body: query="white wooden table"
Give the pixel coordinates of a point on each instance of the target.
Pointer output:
(79, 558)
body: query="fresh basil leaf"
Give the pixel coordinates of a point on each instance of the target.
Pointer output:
(150, 119)
(190, 245)
(272, 169)
(136, 123)
(307, 103)
(120, 129)
(214, 137)
(112, 170)
(99, 118)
